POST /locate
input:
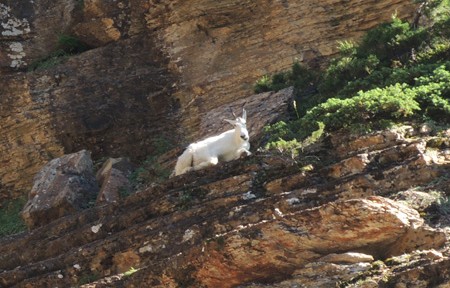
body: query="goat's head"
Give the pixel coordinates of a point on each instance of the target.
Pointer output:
(240, 124)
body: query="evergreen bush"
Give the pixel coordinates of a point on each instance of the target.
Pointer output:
(397, 72)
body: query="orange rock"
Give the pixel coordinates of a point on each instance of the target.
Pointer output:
(124, 261)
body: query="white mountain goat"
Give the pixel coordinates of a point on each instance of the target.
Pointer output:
(229, 145)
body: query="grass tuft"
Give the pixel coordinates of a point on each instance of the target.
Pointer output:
(10, 220)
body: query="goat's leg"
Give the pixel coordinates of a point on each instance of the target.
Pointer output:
(241, 151)
(187, 169)
(210, 162)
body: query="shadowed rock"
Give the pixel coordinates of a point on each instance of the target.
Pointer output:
(65, 185)
(114, 179)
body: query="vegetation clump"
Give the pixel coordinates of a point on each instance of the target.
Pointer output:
(397, 72)
(67, 46)
(150, 171)
(10, 219)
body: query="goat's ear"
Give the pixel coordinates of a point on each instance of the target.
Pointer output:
(232, 122)
(244, 114)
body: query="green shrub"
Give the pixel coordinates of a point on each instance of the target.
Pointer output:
(71, 45)
(290, 147)
(10, 220)
(67, 46)
(345, 70)
(150, 170)
(299, 77)
(55, 58)
(435, 9)
(393, 102)
(374, 109)
(279, 130)
(383, 51)
(392, 41)
(276, 83)
(396, 72)
(88, 278)
(433, 94)
(263, 85)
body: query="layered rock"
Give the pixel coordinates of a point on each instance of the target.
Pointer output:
(28, 139)
(297, 238)
(67, 184)
(251, 222)
(157, 67)
(49, 113)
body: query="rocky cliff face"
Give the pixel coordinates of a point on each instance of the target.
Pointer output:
(153, 67)
(352, 211)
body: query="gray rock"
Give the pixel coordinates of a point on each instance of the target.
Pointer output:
(63, 186)
(114, 179)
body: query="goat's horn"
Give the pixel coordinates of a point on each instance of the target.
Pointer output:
(232, 112)
(244, 114)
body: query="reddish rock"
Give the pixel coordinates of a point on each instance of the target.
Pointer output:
(287, 183)
(351, 144)
(124, 261)
(294, 239)
(349, 166)
(247, 221)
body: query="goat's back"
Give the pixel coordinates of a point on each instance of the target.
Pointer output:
(215, 145)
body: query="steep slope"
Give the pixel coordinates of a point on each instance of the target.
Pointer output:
(259, 220)
(154, 66)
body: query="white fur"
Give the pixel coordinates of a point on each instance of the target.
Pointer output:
(223, 147)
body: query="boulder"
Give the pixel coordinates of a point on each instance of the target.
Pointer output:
(63, 186)
(113, 178)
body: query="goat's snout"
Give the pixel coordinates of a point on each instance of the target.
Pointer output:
(244, 137)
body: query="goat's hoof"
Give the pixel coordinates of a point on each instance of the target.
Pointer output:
(245, 154)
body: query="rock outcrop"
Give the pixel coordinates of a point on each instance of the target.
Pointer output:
(64, 186)
(257, 221)
(46, 114)
(154, 67)
(67, 184)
